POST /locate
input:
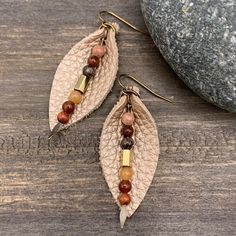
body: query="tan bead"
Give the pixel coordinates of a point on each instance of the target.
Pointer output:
(98, 51)
(76, 97)
(126, 173)
(127, 118)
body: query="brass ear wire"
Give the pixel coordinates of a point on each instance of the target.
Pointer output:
(105, 24)
(143, 85)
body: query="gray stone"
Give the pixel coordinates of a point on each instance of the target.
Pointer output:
(198, 40)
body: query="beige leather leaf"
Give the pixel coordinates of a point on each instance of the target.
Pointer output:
(71, 68)
(146, 151)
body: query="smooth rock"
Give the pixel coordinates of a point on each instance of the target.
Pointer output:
(198, 39)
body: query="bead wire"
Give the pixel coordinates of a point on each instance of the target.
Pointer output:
(105, 24)
(127, 91)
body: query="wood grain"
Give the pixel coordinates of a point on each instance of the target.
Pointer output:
(56, 187)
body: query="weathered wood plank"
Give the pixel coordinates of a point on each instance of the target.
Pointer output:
(56, 187)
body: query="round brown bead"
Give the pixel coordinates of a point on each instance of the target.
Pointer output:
(124, 199)
(127, 143)
(63, 117)
(68, 107)
(125, 186)
(127, 131)
(93, 61)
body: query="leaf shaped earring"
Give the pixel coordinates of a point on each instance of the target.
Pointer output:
(129, 149)
(85, 76)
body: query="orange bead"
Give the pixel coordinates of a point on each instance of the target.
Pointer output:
(126, 173)
(76, 97)
(124, 199)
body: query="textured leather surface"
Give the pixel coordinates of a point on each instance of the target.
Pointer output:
(70, 69)
(146, 150)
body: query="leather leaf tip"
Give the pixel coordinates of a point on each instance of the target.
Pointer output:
(123, 216)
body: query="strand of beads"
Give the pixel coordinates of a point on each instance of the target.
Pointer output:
(126, 171)
(76, 95)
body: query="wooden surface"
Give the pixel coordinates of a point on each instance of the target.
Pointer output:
(56, 187)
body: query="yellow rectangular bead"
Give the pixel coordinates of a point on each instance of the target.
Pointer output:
(126, 157)
(82, 84)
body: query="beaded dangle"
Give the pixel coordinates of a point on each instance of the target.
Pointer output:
(85, 76)
(90, 66)
(129, 149)
(76, 95)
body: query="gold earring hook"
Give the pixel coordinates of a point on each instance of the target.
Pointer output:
(143, 85)
(103, 21)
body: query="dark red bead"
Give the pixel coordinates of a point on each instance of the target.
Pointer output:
(68, 107)
(127, 143)
(93, 61)
(63, 117)
(127, 131)
(125, 186)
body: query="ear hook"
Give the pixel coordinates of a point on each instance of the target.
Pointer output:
(121, 19)
(143, 85)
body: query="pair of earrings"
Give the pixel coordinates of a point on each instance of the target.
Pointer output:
(129, 145)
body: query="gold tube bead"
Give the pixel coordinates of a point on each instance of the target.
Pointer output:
(126, 157)
(82, 84)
